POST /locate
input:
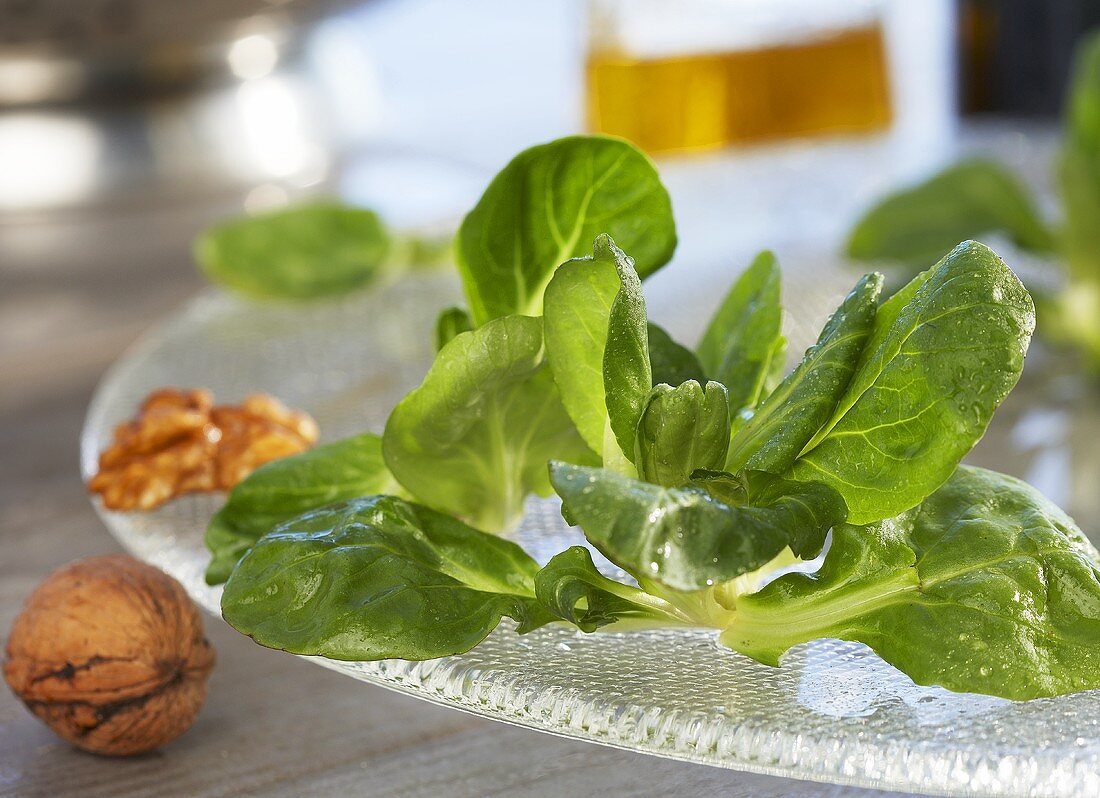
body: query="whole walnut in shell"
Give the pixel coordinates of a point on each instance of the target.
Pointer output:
(110, 653)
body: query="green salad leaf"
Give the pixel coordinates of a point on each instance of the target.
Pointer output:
(986, 587)
(681, 430)
(546, 206)
(627, 372)
(597, 342)
(942, 355)
(670, 362)
(377, 578)
(316, 250)
(283, 489)
(450, 323)
(1073, 317)
(572, 589)
(967, 200)
(1079, 166)
(788, 418)
(685, 538)
(821, 506)
(473, 440)
(576, 316)
(743, 347)
(1074, 314)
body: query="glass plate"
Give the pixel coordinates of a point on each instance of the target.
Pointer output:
(834, 712)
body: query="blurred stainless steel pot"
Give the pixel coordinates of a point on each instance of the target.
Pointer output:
(106, 101)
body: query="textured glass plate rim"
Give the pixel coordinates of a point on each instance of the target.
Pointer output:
(944, 770)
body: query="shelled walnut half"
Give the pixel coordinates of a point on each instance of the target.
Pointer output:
(180, 442)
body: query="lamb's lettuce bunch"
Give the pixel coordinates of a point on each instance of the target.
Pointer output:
(698, 472)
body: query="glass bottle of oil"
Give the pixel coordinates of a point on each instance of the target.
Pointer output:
(704, 74)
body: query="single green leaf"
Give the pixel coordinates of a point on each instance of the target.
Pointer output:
(986, 587)
(777, 369)
(572, 589)
(1079, 174)
(972, 198)
(670, 362)
(823, 506)
(288, 487)
(627, 373)
(1083, 106)
(682, 429)
(315, 250)
(683, 537)
(451, 322)
(788, 418)
(419, 252)
(743, 343)
(597, 346)
(943, 354)
(545, 207)
(1079, 178)
(473, 440)
(379, 578)
(1073, 316)
(576, 314)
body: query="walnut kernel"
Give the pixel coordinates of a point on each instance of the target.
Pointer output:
(181, 443)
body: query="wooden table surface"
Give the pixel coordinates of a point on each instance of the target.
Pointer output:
(73, 294)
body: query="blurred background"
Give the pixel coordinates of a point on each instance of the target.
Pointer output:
(407, 105)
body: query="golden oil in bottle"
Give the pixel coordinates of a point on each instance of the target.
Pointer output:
(836, 83)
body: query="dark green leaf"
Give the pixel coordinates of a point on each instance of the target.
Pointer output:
(285, 488)
(379, 578)
(473, 440)
(785, 422)
(986, 587)
(451, 322)
(573, 590)
(683, 537)
(942, 355)
(822, 506)
(743, 342)
(299, 253)
(972, 198)
(670, 362)
(682, 429)
(546, 206)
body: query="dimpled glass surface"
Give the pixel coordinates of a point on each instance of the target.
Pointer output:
(834, 712)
